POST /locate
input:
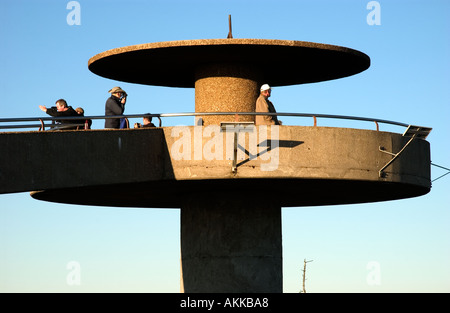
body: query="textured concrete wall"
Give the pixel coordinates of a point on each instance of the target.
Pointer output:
(63, 159)
(299, 153)
(329, 165)
(226, 88)
(231, 243)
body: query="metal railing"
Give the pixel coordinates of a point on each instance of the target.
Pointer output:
(83, 119)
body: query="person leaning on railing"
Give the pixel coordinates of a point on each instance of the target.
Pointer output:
(61, 110)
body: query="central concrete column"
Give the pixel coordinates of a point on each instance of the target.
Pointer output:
(231, 244)
(226, 87)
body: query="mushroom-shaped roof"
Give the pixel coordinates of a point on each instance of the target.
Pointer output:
(281, 62)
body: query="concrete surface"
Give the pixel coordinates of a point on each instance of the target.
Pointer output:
(231, 243)
(174, 63)
(156, 167)
(224, 87)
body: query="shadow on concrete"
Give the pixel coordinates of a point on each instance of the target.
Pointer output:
(268, 144)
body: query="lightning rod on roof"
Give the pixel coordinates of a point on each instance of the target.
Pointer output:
(230, 35)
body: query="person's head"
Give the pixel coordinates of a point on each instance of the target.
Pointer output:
(147, 119)
(118, 92)
(61, 104)
(80, 110)
(266, 90)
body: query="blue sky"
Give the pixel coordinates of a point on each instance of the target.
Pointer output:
(43, 58)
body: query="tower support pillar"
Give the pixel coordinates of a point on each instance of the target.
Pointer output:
(231, 244)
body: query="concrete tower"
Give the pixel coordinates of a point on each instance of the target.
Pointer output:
(230, 208)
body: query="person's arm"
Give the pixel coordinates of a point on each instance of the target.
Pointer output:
(53, 111)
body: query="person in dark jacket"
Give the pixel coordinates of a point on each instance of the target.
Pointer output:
(61, 110)
(88, 122)
(146, 122)
(115, 105)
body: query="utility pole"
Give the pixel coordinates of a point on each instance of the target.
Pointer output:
(304, 274)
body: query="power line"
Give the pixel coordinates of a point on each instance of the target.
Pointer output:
(448, 171)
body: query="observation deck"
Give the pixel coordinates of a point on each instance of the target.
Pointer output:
(299, 165)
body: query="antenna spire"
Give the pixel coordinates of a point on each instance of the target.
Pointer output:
(230, 35)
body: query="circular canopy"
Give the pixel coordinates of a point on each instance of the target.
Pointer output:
(282, 62)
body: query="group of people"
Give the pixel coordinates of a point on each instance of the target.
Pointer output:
(63, 110)
(115, 105)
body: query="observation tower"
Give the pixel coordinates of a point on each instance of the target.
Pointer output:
(229, 177)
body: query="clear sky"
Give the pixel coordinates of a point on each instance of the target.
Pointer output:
(394, 246)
